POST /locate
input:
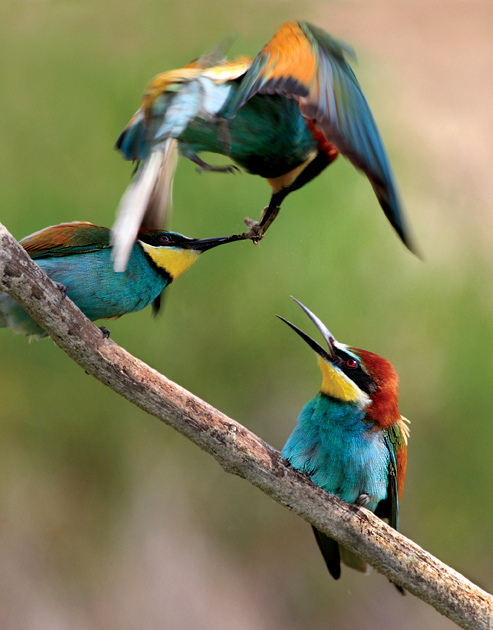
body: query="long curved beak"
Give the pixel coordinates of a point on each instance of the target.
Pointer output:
(203, 244)
(326, 334)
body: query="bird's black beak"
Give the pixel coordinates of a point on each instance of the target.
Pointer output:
(326, 334)
(203, 244)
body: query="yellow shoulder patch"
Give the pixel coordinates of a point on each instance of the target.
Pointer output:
(174, 261)
(228, 71)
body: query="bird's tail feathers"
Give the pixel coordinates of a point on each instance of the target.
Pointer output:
(146, 202)
(330, 552)
(352, 560)
(132, 140)
(13, 316)
(334, 554)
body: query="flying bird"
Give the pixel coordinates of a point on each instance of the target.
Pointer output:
(285, 115)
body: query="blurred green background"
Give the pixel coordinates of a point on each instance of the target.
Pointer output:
(109, 519)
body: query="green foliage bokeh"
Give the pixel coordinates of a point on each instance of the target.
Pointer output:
(81, 469)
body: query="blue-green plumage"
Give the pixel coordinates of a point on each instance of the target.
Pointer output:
(350, 438)
(340, 450)
(79, 256)
(267, 137)
(284, 116)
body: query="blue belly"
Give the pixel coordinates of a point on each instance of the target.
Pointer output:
(93, 285)
(340, 451)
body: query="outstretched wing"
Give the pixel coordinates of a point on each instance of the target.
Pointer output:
(302, 61)
(66, 239)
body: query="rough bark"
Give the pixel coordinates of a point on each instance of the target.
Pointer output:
(237, 449)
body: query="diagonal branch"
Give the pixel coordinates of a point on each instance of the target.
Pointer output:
(238, 450)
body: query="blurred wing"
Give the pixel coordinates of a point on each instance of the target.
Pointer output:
(302, 61)
(173, 80)
(66, 239)
(136, 140)
(146, 202)
(158, 212)
(171, 101)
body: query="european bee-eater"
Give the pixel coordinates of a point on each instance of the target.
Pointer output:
(284, 115)
(351, 439)
(78, 256)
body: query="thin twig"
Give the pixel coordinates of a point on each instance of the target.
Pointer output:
(238, 450)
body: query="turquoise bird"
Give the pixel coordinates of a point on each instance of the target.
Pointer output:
(351, 439)
(284, 115)
(78, 256)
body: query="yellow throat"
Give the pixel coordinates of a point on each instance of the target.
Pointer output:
(174, 261)
(337, 385)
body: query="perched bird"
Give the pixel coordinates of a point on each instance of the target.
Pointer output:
(78, 256)
(284, 116)
(351, 439)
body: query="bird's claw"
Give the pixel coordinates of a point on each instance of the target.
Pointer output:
(255, 230)
(209, 168)
(363, 500)
(105, 331)
(62, 288)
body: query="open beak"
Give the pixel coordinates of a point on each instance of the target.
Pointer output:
(203, 244)
(326, 334)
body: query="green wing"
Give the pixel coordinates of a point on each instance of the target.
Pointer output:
(395, 441)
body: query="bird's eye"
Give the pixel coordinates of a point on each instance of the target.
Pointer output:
(351, 363)
(165, 238)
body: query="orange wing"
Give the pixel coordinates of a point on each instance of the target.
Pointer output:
(66, 239)
(166, 81)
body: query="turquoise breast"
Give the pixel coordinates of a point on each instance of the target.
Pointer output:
(340, 450)
(93, 285)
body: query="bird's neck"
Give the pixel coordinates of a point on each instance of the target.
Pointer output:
(384, 409)
(339, 415)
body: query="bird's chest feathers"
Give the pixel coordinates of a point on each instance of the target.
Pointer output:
(172, 260)
(340, 450)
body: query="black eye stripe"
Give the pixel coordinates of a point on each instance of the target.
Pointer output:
(353, 369)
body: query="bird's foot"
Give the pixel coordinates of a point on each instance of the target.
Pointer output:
(210, 168)
(255, 230)
(62, 288)
(203, 167)
(363, 500)
(105, 331)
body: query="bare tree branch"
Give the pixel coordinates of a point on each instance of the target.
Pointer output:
(237, 449)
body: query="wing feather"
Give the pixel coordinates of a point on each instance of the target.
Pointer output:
(396, 442)
(66, 239)
(134, 207)
(304, 62)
